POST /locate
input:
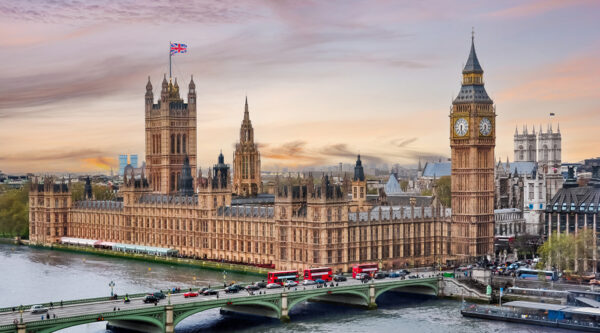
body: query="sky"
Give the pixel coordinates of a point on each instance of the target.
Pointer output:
(325, 80)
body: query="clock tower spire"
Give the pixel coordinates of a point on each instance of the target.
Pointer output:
(472, 142)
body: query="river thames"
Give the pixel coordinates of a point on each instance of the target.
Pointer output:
(31, 275)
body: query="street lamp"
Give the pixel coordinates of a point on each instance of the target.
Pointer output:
(111, 285)
(21, 312)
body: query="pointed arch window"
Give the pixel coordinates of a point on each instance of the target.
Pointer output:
(183, 144)
(178, 143)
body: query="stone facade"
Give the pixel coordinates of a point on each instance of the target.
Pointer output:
(472, 142)
(306, 222)
(170, 135)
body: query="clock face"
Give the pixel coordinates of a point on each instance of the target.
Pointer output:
(461, 126)
(485, 126)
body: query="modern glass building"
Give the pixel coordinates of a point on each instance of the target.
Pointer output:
(122, 164)
(133, 160)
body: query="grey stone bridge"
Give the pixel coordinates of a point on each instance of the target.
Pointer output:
(276, 303)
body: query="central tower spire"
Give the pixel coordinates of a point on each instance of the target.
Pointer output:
(246, 160)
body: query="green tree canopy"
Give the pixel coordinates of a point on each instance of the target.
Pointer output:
(14, 212)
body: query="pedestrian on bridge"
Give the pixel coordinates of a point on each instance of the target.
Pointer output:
(61, 303)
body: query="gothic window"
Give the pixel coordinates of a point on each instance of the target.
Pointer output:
(183, 143)
(545, 149)
(328, 214)
(172, 181)
(172, 144)
(178, 144)
(521, 157)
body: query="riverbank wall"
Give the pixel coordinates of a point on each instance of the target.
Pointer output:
(11, 240)
(203, 264)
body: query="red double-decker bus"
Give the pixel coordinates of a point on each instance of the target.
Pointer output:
(370, 269)
(323, 273)
(282, 276)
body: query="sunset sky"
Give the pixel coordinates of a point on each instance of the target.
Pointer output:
(324, 79)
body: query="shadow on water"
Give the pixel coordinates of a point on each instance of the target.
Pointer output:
(306, 316)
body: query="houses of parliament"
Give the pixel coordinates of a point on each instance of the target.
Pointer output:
(222, 214)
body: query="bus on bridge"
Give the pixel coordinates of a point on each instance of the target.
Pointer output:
(323, 273)
(370, 269)
(281, 277)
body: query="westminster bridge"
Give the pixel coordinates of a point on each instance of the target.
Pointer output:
(274, 303)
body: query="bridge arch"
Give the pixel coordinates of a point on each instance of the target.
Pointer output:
(425, 288)
(181, 316)
(133, 318)
(293, 301)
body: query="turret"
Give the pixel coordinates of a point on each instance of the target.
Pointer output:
(164, 92)
(192, 95)
(149, 95)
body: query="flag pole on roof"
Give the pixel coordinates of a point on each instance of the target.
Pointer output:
(175, 48)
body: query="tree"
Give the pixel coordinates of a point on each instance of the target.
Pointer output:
(100, 192)
(570, 253)
(14, 212)
(404, 185)
(444, 190)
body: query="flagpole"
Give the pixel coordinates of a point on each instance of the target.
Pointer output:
(170, 60)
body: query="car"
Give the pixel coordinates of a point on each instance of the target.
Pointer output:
(234, 288)
(308, 282)
(320, 281)
(394, 275)
(151, 299)
(339, 278)
(190, 294)
(290, 284)
(38, 309)
(209, 292)
(364, 277)
(159, 295)
(261, 284)
(403, 272)
(273, 285)
(252, 287)
(379, 275)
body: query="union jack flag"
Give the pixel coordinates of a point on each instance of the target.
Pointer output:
(178, 48)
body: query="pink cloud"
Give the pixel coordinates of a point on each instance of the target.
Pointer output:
(532, 8)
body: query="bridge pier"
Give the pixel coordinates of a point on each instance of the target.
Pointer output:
(21, 328)
(285, 317)
(169, 328)
(372, 305)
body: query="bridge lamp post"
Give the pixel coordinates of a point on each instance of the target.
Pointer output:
(111, 285)
(21, 312)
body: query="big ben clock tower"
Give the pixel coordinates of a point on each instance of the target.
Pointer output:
(472, 141)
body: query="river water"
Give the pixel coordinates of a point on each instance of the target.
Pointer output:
(30, 275)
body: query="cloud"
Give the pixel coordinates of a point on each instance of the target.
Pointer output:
(81, 80)
(571, 79)
(533, 8)
(101, 162)
(293, 153)
(157, 11)
(52, 155)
